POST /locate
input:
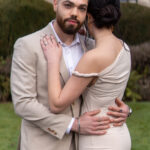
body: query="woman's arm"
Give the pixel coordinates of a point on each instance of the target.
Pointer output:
(60, 98)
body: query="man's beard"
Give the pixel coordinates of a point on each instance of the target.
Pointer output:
(69, 29)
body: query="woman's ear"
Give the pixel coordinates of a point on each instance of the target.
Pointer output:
(90, 18)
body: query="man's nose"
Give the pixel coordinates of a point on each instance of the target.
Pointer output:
(74, 12)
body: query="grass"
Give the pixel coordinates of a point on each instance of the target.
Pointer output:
(138, 125)
(9, 127)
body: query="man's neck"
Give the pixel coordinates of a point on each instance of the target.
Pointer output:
(65, 38)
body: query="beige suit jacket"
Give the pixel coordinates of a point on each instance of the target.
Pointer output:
(40, 129)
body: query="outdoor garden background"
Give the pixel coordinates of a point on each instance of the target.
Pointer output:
(21, 17)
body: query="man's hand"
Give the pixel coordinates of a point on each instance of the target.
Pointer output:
(120, 113)
(91, 124)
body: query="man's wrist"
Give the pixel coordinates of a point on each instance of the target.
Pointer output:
(75, 126)
(70, 126)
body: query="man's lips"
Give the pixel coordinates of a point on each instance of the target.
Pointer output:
(72, 21)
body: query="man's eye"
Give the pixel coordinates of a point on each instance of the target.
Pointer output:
(67, 5)
(82, 9)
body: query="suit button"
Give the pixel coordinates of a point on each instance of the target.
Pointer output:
(50, 129)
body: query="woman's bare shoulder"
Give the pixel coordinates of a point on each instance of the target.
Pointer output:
(97, 59)
(89, 63)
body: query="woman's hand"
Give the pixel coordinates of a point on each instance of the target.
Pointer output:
(120, 113)
(52, 50)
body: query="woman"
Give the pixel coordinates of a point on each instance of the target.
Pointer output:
(101, 75)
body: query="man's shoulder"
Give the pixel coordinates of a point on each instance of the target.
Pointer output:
(32, 37)
(30, 43)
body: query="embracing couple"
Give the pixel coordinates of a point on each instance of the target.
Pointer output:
(66, 87)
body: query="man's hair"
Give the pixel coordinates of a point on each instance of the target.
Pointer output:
(106, 13)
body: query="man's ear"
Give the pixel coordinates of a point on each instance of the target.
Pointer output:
(55, 5)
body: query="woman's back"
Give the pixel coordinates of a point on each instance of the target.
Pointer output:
(111, 83)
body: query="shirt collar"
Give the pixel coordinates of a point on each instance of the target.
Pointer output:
(75, 41)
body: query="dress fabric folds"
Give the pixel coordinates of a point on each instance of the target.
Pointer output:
(110, 84)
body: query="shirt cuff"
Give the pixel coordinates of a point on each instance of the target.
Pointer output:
(70, 126)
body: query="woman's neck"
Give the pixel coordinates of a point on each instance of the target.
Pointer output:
(101, 34)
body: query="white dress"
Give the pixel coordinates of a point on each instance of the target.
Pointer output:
(111, 83)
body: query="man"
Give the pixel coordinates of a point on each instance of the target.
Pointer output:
(41, 129)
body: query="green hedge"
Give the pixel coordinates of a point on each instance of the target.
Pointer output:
(134, 25)
(21, 17)
(134, 28)
(4, 79)
(18, 18)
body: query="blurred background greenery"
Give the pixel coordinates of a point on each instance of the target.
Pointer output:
(21, 17)
(138, 125)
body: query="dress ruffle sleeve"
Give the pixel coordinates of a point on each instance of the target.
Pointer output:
(86, 75)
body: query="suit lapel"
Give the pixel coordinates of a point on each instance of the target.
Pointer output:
(63, 69)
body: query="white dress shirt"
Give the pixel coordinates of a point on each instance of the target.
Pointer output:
(72, 54)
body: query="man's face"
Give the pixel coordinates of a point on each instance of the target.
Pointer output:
(70, 14)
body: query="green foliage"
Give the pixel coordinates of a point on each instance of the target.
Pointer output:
(4, 79)
(18, 18)
(21, 17)
(9, 127)
(138, 125)
(132, 90)
(4, 88)
(134, 25)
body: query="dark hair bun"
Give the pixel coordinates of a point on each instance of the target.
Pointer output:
(106, 13)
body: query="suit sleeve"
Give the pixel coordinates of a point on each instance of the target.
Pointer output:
(24, 94)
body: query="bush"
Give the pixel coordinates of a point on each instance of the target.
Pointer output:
(140, 56)
(138, 86)
(140, 62)
(134, 25)
(134, 28)
(4, 79)
(21, 17)
(18, 18)
(133, 87)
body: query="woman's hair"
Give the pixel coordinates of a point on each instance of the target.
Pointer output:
(106, 13)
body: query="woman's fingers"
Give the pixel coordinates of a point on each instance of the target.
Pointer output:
(48, 41)
(47, 38)
(52, 50)
(42, 44)
(45, 41)
(53, 40)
